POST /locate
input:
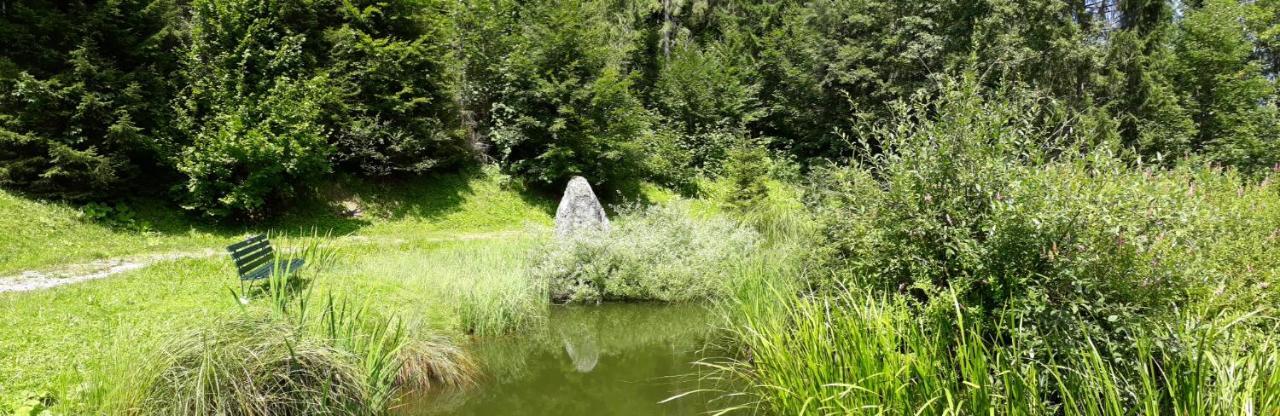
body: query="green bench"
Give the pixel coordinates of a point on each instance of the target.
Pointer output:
(256, 260)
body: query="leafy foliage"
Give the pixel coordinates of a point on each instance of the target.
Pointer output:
(118, 216)
(84, 97)
(1227, 94)
(395, 67)
(748, 172)
(970, 201)
(705, 108)
(568, 108)
(277, 90)
(657, 253)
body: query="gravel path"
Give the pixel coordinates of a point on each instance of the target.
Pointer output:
(65, 275)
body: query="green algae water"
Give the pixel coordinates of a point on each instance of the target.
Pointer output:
(613, 359)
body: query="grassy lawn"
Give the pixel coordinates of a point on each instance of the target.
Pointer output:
(41, 235)
(412, 257)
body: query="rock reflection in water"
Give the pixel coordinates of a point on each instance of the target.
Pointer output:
(618, 359)
(582, 350)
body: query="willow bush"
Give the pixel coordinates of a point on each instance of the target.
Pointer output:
(975, 199)
(653, 253)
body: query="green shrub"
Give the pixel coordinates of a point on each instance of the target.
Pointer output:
(252, 107)
(747, 170)
(1231, 233)
(259, 154)
(704, 107)
(670, 161)
(655, 253)
(118, 216)
(275, 92)
(1056, 251)
(396, 68)
(970, 199)
(698, 91)
(1224, 87)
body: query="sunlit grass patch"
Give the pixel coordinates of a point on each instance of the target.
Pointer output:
(477, 286)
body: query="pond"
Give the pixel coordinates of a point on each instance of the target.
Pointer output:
(613, 359)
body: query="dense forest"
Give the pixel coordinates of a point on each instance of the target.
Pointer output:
(235, 108)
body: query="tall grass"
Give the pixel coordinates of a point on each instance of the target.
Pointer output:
(496, 305)
(856, 353)
(257, 365)
(779, 215)
(481, 284)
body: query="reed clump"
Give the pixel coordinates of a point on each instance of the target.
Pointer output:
(859, 353)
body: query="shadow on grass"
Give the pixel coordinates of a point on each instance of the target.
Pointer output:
(340, 207)
(429, 197)
(345, 205)
(623, 195)
(163, 218)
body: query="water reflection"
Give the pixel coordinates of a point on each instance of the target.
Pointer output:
(618, 359)
(582, 350)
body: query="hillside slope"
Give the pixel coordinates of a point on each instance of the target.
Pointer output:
(38, 234)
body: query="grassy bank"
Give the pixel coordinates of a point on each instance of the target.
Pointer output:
(440, 259)
(972, 269)
(40, 235)
(857, 353)
(943, 281)
(403, 257)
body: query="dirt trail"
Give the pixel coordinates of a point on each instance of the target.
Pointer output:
(74, 273)
(97, 269)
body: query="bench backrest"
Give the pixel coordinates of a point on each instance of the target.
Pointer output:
(251, 254)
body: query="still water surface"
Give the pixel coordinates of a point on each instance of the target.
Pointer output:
(613, 359)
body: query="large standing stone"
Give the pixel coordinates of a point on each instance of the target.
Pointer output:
(579, 210)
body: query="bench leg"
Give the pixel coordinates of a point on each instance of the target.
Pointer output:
(246, 290)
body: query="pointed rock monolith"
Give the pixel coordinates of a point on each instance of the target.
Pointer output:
(579, 210)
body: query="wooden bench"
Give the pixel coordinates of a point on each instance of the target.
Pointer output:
(256, 260)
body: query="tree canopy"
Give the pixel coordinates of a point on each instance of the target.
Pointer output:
(235, 107)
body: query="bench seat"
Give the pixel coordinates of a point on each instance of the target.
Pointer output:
(266, 269)
(255, 259)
